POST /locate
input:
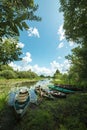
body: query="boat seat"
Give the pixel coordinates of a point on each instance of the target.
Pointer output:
(22, 96)
(21, 104)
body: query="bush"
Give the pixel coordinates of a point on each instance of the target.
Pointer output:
(5, 67)
(27, 74)
(8, 74)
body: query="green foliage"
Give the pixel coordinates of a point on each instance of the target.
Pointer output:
(2, 101)
(13, 16)
(61, 79)
(39, 120)
(27, 74)
(8, 74)
(78, 69)
(60, 114)
(9, 51)
(57, 74)
(5, 67)
(75, 23)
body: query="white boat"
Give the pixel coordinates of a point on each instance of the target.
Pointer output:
(21, 101)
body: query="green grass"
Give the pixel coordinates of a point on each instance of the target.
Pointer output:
(2, 101)
(60, 114)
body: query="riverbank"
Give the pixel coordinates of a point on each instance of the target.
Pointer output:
(14, 81)
(59, 114)
(7, 84)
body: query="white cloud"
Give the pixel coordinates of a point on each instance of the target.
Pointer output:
(55, 65)
(39, 70)
(15, 66)
(61, 45)
(66, 66)
(61, 33)
(71, 43)
(27, 58)
(33, 32)
(20, 44)
(61, 67)
(43, 70)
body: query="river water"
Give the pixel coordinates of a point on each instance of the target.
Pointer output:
(42, 83)
(33, 97)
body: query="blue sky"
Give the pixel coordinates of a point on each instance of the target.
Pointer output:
(44, 45)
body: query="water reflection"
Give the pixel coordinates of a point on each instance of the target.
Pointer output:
(33, 96)
(31, 86)
(42, 83)
(27, 84)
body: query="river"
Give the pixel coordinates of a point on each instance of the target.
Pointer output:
(33, 97)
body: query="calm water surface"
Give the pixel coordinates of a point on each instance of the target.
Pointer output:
(31, 86)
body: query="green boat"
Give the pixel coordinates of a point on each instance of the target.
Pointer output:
(53, 87)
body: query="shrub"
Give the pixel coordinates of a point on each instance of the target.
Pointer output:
(5, 67)
(8, 74)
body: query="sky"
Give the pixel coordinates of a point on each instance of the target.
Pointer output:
(44, 45)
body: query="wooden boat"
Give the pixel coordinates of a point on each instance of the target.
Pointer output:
(21, 101)
(47, 96)
(43, 93)
(57, 88)
(37, 90)
(57, 94)
(69, 87)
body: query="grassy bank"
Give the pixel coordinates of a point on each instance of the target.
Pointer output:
(14, 81)
(60, 114)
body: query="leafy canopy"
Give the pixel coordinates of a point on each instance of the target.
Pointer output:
(75, 19)
(13, 16)
(9, 51)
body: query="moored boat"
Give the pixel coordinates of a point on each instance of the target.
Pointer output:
(57, 94)
(43, 93)
(69, 87)
(57, 88)
(21, 101)
(48, 96)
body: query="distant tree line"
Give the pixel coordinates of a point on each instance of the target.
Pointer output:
(7, 72)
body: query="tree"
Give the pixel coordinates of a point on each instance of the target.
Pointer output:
(56, 74)
(13, 16)
(75, 20)
(9, 51)
(75, 24)
(78, 59)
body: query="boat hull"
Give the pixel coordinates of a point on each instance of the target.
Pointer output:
(21, 102)
(57, 88)
(20, 109)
